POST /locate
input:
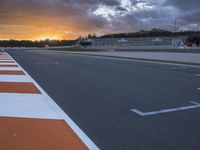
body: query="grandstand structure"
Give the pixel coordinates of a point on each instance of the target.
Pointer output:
(137, 41)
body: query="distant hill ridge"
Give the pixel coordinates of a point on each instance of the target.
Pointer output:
(152, 33)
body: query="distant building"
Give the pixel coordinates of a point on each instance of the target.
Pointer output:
(132, 41)
(123, 40)
(46, 46)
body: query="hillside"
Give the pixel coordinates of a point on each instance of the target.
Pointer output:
(152, 33)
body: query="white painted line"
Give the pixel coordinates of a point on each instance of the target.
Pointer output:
(143, 114)
(198, 75)
(198, 88)
(10, 68)
(14, 78)
(193, 102)
(7, 63)
(88, 142)
(25, 106)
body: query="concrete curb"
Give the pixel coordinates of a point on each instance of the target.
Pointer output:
(140, 59)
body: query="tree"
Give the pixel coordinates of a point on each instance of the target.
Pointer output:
(28, 43)
(89, 36)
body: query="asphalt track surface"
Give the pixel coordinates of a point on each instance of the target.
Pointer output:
(99, 93)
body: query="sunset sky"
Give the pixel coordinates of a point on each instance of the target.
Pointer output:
(68, 19)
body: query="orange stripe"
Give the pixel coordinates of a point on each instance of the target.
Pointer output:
(8, 65)
(11, 72)
(38, 134)
(18, 87)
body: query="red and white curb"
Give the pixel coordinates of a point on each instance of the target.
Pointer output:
(29, 118)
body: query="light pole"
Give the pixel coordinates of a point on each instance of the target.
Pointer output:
(175, 26)
(174, 38)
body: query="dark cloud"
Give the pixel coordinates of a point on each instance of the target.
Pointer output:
(120, 8)
(71, 18)
(184, 5)
(188, 11)
(134, 2)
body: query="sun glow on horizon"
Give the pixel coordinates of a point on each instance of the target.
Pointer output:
(43, 38)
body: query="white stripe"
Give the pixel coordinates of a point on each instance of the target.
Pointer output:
(14, 78)
(7, 63)
(25, 105)
(88, 142)
(193, 102)
(143, 114)
(198, 75)
(10, 68)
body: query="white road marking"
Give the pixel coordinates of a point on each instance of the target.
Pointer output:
(10, 68)
(198, 75)
(14, 78)
(198, 88)
(193, 102)
(143, 114)
(26, 106)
